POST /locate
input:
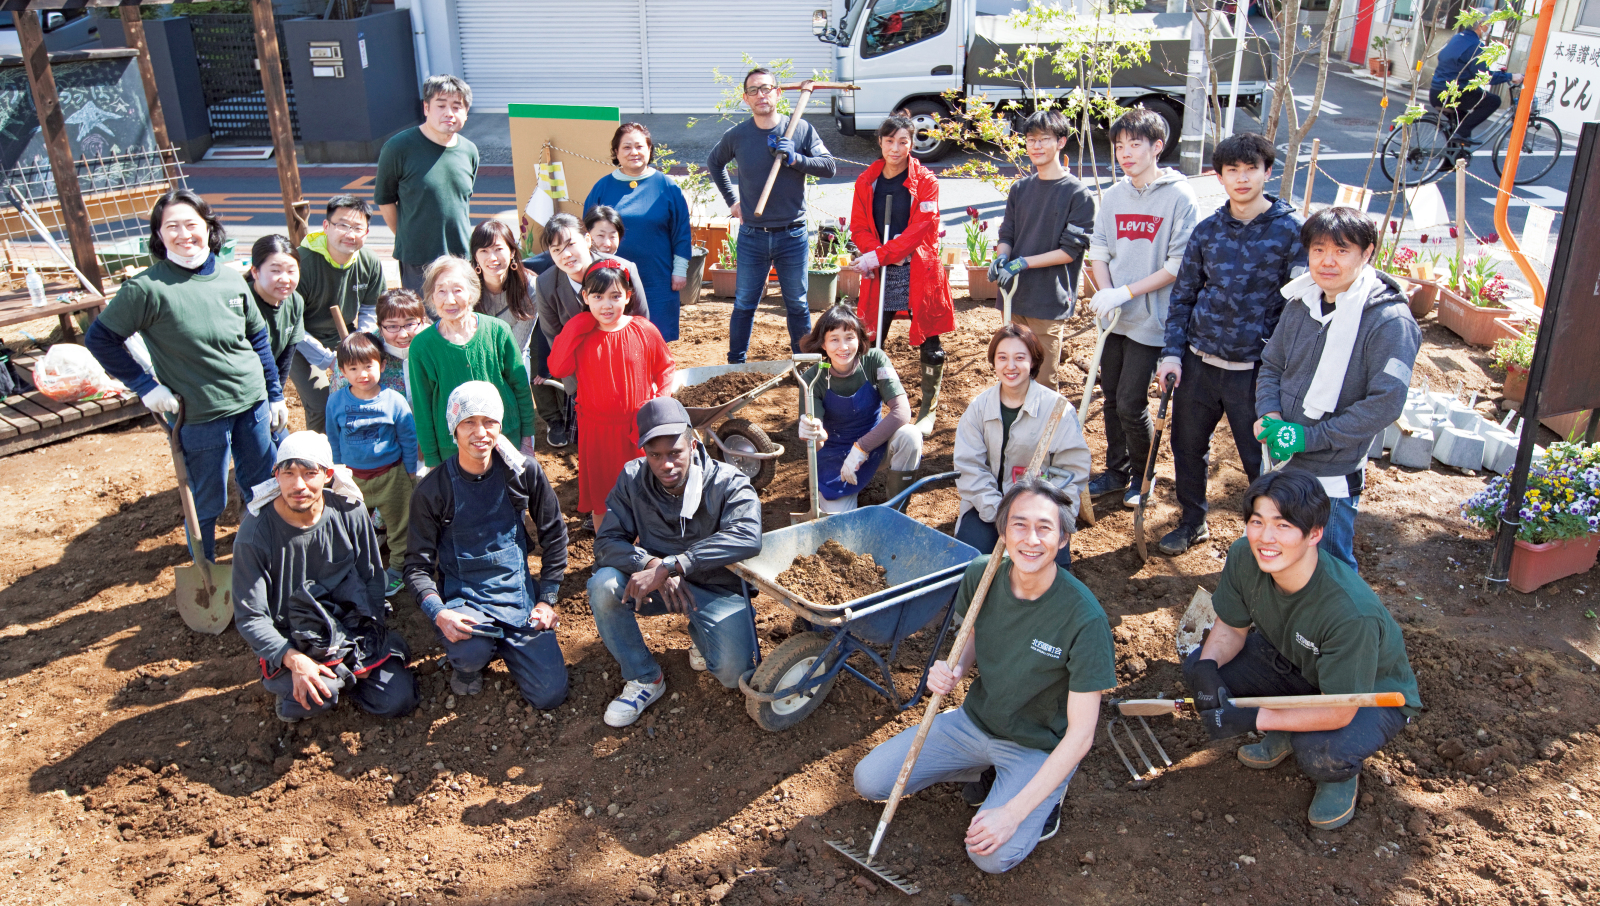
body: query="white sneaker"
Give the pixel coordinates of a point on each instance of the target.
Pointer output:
(697, 661)
(635, 697)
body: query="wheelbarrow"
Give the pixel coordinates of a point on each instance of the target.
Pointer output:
(923, 567)
(742, 443)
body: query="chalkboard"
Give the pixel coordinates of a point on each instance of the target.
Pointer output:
(102, 99)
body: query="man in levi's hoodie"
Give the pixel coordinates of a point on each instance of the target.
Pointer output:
(1140, 233)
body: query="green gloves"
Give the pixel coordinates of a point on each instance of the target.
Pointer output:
(1283, 439)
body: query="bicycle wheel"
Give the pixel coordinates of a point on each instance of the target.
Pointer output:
(1426, 152)
(1540, 149)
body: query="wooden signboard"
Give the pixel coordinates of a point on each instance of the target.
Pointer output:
(580, 140)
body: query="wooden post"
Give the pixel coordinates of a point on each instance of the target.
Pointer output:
(1461, 212)
(133, 31)
(1311, 176)
(73, 213)
(295, 208)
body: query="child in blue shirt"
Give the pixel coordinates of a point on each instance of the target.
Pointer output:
(371, 431)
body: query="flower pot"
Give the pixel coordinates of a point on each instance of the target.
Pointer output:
(1378, 66)
(1472, 323)
(849, 284)
(979, 286)
(1516, 385)
(724, 281)
(690, 294)
(1422, 295)
(822, 288)
(1535, 565)
(1509, 327)
(1573, 424)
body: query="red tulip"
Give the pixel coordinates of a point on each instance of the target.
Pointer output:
(842, 221)
(1453, 233)
(1394, 227)
(1424, 238)
(984, 225)
(972, 212)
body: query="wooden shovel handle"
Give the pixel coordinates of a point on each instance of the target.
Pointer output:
(1343, 700)
(777, 162)
(338, 322)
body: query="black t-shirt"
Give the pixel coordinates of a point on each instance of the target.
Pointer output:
(886, 187)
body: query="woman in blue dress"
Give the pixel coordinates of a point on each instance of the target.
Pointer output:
(653, 207)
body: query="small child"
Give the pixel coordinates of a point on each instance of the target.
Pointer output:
(401, 316)
(371, 431)
(621, 361)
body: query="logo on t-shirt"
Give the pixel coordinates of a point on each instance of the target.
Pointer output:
(1307, 643)
(237, 304)
(1046, 649)
(1138, 226)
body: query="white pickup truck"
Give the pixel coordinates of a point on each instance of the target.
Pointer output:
(905, 54)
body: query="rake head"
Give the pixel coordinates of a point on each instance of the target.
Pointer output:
(888, 877)
(1127, 730)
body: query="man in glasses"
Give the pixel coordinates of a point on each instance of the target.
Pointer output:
(777, 236)
(335, 270)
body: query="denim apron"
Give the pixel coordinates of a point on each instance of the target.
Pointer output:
(848, 419)
(488, 570)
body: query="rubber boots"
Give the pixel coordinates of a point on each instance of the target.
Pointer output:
(932, 377)
(899, 481)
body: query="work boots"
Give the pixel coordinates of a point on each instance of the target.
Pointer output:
(899, 481)
(932, 378)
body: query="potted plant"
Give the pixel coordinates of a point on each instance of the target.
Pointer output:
(1515, 356)
(1560, 515)
(698, 191)
(1402, 264)
(1378, 61)
(725, 272)
(822, 268)
(1471, 302)
(979, 254)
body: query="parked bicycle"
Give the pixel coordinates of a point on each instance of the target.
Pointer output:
(1431, 152)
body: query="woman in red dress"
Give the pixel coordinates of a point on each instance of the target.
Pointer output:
(620, 361)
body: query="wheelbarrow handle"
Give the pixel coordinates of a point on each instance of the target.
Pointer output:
(899, 501)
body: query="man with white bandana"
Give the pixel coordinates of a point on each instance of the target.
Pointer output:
(308, 584)
(469, 520)
(1336, 370)
(674, 521)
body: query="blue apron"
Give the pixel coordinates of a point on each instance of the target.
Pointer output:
(847, 420)
(487, 565)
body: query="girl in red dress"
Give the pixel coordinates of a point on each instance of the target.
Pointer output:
(620, 361)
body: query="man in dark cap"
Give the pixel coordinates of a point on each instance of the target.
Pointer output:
(674, 521)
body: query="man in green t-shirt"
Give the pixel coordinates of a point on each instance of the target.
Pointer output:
(336, 270)
(1044, 655)
(425, 180)
(1291, 621)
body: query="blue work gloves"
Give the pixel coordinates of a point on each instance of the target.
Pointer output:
(785, 146)
(1009, 270)
(994, 268)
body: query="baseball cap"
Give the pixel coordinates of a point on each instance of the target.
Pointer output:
(661, 417)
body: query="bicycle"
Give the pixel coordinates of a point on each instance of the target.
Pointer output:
(1430, 151)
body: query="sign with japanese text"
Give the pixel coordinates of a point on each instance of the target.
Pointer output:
(1569, 80)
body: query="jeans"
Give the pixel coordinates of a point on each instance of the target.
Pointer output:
(759, 252)
(1326, 756)
(388, 690)
(1473, 107)
(313, 399)
(206, 447)
(1126, 368)
(722, 625)
(532, 655)
(971, 529)
(1204, 395)
(1339, 538)
(957, 751)
(411, 276)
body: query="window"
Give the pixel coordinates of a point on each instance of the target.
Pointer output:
(1588, 15)
(893, 24)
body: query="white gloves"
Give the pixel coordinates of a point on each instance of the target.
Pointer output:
(319, 378)
(852, 462)
(811, 429)
(1107, 301)
(278, 415)
(160, 400)
(867, 263)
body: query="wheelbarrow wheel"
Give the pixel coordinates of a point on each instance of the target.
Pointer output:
(743, 436)
(787, 665)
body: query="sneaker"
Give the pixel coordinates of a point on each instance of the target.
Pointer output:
(1267, 753)
(1108, 483)
(635, 697)
(1182, 538)
(278, 710)
(697, 661)
(377, 522)
(462, 683)
(976, 792)
(1334, 804)
(1052, 821)
(395, 583)
(1130, 498)
(558, 436)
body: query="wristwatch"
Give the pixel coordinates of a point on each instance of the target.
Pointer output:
(674, 566)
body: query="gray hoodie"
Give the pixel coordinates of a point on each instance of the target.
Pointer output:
(1137, 232)
(1375, 382)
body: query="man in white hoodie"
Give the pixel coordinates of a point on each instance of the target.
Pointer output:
(1140, 233)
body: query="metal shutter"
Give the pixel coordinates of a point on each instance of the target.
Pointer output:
(539, 52)
(687, 38)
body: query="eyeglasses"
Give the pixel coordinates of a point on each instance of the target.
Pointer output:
(1047, 141)
(407, 327)
(761, 90)
(352, 229)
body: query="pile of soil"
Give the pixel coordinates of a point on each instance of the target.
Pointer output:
(721, 389)
(833, 575)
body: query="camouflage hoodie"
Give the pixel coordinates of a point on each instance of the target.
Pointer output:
(1226, 302)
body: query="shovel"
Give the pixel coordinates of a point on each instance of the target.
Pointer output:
(813, 495)
(1085, 502)
(1147, 475)
(204, 592)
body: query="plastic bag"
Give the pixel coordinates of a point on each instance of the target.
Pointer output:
(68, 373)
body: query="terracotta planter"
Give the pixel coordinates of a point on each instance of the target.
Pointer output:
(1535, 565)
(1378, 67)
(1573, 424)
(849, 284)
(1516, 385)
(1422, 295)
(979, 286)
(710, 235)
(724, 281)
(1473, 324)
(1510, 327)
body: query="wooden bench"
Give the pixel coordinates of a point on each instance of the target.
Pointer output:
(17, 308)
(31, 420)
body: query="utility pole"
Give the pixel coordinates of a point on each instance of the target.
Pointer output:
(1191, 145)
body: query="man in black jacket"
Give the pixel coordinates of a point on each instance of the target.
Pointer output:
(468, 527)
(674, 521)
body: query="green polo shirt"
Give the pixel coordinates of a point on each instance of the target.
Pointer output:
(1335, 631)
(198, 331)
(432, 184)
(1032, 653)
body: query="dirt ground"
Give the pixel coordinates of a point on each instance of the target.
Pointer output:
(142, 762)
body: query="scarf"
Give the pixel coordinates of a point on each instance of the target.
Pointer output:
(482, 398)
(1342, 325)
(307, 446)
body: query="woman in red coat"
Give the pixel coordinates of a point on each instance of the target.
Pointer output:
(916, 284)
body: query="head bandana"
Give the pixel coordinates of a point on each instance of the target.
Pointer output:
(481, 398)
(306, 446)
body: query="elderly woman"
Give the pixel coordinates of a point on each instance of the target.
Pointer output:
(904, 254)
(211, 350)
(657, 237)
(998, 433)
(462, 346)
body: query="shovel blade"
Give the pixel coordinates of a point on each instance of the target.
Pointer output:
(884, 874)
(205, 607)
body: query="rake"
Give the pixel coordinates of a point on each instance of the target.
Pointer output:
(1151, 770)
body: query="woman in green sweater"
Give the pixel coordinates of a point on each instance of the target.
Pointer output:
(463, 346)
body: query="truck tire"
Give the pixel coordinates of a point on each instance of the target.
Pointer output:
(925, 116)
(1174, 117)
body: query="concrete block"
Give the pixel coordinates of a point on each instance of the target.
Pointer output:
(1462, 449)
(1414, 449)
(1499, 449)
(1464, 418)
(1391, 435)
(1375, 449)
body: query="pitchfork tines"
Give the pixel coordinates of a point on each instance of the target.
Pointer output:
(1127, 729)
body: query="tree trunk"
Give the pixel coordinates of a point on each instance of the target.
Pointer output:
(1298, 134)
(1282, 90)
